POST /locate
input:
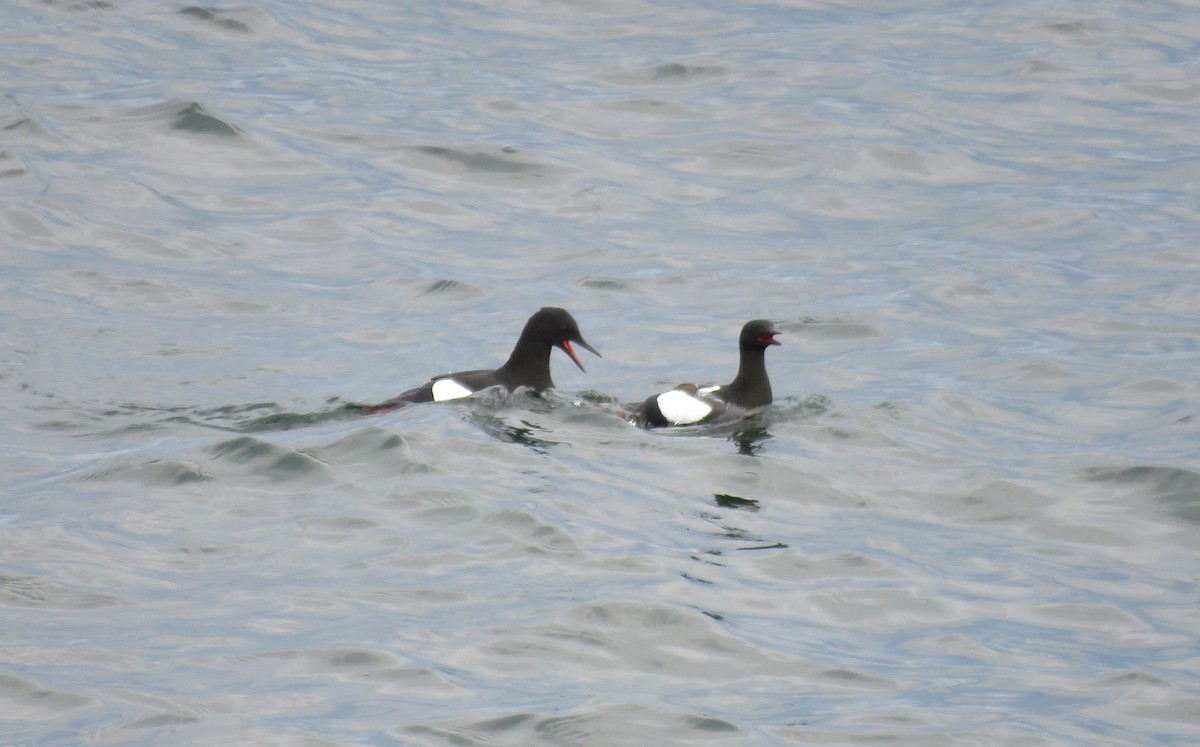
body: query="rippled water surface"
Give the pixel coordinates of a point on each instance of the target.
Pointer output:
(972, 517)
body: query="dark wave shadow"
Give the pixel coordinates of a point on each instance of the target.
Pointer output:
(218, 17)
(254, 417)
(284, 421)
(1174, 489)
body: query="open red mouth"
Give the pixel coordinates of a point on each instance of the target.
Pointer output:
(566, 346)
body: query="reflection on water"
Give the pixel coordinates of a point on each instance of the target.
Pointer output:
(724, 500)
(523, 433)
(750, 440)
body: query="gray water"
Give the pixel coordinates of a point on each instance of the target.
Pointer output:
(972, 517)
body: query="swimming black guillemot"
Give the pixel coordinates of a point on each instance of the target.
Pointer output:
(527, 366)
(750, 390)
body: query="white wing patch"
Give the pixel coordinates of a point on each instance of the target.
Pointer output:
(682, 408)
(444, 389)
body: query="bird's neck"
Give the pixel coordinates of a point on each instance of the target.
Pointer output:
(528, 365)
(751, 387)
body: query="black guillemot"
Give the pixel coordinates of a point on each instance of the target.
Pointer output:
(528, 365)
(750, 390)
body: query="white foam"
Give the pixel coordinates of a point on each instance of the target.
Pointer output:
(444, 389)
(682, 408)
